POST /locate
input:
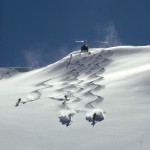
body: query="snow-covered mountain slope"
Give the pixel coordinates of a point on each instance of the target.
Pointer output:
(112, 83)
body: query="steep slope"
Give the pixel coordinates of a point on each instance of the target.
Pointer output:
(113, 83)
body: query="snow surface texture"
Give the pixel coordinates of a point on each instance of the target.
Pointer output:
(113, 83)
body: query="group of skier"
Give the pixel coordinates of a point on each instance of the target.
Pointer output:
(64, 102)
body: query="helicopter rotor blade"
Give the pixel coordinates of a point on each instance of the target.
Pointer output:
(79, 41)
(101, 42)
(83, 41)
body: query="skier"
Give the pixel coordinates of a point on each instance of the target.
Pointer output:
(94, 116)
(19, 100)
(69, 116)
(66, 99)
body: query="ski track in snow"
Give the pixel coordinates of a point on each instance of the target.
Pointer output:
(33, 96)
(82, 79)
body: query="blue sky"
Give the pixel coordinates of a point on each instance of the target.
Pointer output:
(39, 32)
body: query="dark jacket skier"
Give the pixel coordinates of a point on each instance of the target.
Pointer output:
(69, 116)
(19, 100)
(66, 99)
(94, 116)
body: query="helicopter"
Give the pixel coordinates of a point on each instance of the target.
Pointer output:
(85, 48)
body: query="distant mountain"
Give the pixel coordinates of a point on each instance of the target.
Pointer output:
(7, 72)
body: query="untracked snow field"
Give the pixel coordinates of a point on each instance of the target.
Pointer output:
(113, 83)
